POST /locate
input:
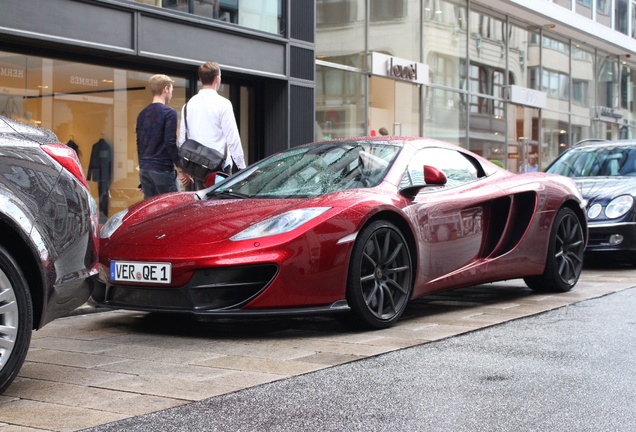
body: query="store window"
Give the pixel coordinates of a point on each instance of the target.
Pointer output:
(445, 116)
(604, 12)
(91, 108)
(382, 10)
(607, 79)
(580, 129)
(555, 135)
(621, 17)
(394, 33)
(584, 7)
(627, 95)
(583, 94)
(263, 15)
(444, 39)
(340, 103)
(340, 32)
(633, 20)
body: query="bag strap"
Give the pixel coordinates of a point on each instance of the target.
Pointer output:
(185, 119)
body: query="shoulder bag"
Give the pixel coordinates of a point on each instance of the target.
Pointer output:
(196, 159)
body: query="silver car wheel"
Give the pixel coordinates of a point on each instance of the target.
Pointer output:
(9, 319)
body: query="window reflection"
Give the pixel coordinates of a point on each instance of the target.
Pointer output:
(340, 32)
(395, 28)
(444, 38)
(264, 15)
(445, 116)
(382, 10)
(340, 103)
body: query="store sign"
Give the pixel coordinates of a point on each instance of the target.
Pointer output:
(402, 69)
(527, 97)
(609, 114)
(10, 72)
(84, 81)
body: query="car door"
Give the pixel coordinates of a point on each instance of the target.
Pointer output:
(450, 217)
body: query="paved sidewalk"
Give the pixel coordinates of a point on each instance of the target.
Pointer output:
(91, 369)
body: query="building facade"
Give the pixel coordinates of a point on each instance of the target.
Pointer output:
(81, 69)
(508, 79)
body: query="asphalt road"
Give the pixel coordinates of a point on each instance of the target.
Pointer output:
(570, 369)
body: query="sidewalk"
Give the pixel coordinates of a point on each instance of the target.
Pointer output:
(98, 367)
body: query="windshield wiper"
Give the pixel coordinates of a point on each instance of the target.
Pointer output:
(225, 193)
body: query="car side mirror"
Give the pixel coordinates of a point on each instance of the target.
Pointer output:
(214, 178)
(434, 176)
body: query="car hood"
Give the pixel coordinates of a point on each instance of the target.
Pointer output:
(203, 221)
(595, 188)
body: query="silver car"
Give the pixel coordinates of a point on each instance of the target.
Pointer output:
(48, 237)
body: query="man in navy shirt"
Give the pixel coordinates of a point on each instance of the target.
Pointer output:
(157, 141)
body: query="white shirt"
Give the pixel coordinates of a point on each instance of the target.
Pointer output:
(211, 122)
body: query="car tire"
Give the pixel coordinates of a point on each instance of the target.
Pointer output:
(380, 279)
(565, 255)
(16, 319)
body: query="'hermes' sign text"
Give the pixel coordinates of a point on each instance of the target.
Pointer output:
(83, 81)
(11, 72)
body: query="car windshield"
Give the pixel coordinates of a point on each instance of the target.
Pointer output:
(596, 162)
(314, 170)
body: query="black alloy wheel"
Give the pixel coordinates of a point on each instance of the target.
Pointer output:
(564, 262)
(380, 276)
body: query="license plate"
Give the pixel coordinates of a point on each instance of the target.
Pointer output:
(127, 271)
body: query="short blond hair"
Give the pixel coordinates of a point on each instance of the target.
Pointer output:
(158, 83)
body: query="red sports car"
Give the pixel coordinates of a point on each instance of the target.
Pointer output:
(356, 226)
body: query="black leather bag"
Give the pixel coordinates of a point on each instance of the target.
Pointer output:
(198, 160)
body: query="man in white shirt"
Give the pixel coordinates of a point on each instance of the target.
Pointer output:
(211, 119)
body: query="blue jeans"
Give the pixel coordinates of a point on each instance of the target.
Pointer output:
(157, 182)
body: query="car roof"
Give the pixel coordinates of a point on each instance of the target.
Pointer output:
(600, 143)
(13, 129)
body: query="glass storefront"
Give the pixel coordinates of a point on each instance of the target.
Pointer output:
(473, 59)
(94, 110)
(340, 103)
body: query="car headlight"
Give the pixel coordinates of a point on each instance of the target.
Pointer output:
(619, 206)
(280, 224)
(594, 211)
(112, 224)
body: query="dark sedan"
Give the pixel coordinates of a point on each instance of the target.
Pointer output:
(605, 173)
(48, 237)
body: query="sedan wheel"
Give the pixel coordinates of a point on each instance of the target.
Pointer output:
(380, 276)
(565, 255)
(16, 319)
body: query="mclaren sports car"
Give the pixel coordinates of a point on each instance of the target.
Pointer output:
(353, 226)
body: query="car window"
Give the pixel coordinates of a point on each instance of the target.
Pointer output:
(315, 170)
(457, 167)
(596, 162)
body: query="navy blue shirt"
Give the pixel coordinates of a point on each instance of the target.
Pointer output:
(157, 138)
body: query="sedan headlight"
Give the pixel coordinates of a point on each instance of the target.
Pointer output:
(594, 211)
(112, 224)
(619, 206)
(280, 224)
